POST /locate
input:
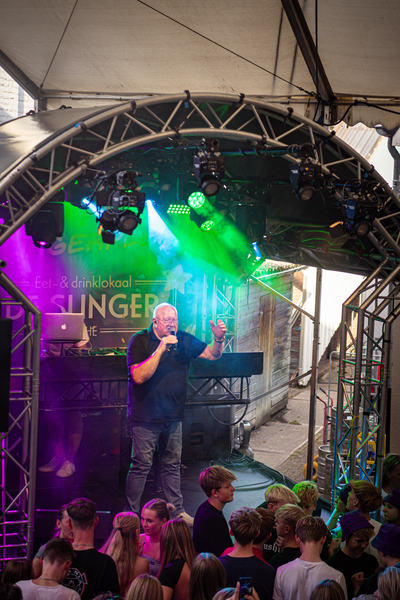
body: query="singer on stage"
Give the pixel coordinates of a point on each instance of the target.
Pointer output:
(158, 365)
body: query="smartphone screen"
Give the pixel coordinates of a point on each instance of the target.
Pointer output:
(246, 586)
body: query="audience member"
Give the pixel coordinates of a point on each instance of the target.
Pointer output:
(210, 529)
(206, 577)
(328, 589)
(276, 495)
(62, 531)
(177, 555)
(387, 542)
(91, 571)
(224, 594)
(389, 584)
(266, 529)
(9, 591)
(366, 497)
(144, 587)
(154, 514)
(16, 570)
(297, 579)
(237, 596)
(391, 507)
(245, 525)
(351, 559)
(391, 473)
(123, 547)
(56, 561)
(307, 492)
(340, 509)
(286, 520)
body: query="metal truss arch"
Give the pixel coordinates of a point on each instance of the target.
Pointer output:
(255, 126)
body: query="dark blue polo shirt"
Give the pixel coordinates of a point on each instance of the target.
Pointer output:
(160, 399)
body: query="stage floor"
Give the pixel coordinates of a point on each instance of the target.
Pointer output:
(101, 475)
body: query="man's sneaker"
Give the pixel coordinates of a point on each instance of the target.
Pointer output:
(186, 518)
(53, 465)
(67, 469)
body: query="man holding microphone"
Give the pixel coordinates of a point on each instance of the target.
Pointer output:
(158, 365)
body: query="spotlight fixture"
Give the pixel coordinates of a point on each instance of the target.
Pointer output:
(178, 209)
(127, 221)
(117, 199)
(362, 227)
(306, 175)
(203, 222)
(306, 192)
(209, 167)
(302, 178)
(359, 201)
(119, 193)
(46, 225)
(196, 200)
(357, 228)
(123, 179)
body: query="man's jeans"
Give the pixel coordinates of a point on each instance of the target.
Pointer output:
(145, 438)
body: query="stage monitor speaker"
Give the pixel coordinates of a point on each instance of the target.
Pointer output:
(5, 372)
(202, 436)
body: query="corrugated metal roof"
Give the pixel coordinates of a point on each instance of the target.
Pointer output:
(361, 138)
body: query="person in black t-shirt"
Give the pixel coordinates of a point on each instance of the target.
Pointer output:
(387, 542)
(351, 559)
(210, 530)
(286, 521)
(276, 495)
(90, 572)
(245, 525)
(158, 364)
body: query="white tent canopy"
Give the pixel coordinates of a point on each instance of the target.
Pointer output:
(88, 52)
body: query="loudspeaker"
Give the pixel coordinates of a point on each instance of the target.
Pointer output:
(5, 372)
(203, 437)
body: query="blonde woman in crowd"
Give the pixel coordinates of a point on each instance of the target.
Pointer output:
(144, 587)
(123, 547)
(154, 515)
(177, 555)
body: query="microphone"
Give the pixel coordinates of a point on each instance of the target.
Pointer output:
(173, 347)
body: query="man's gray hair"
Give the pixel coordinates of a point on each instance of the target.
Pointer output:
(162, 305)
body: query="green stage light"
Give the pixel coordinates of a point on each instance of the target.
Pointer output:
(178, 209)
(207, 225)
(196, 200)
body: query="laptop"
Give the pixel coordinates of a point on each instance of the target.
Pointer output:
(63, 327)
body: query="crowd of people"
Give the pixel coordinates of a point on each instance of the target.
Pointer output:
(279, 550)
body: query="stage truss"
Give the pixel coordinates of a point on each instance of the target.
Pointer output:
(256, 128)
(19, 444)
(365, 363)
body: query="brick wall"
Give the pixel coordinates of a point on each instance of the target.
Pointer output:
(14, 102)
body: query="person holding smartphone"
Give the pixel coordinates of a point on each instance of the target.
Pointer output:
(241, 564)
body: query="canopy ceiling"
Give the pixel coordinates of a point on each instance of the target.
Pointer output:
(91, 52)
